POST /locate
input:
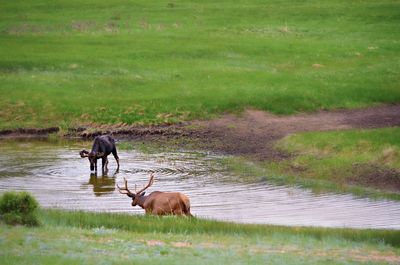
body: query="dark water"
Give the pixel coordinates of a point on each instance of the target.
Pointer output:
(58, 177)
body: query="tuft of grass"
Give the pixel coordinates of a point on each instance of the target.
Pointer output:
(19, 208)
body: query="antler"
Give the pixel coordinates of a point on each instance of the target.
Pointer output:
(125, 190)
(84, 153)
(151, 180)
(132, 194)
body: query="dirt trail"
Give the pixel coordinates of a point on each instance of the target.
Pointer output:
(254, 132)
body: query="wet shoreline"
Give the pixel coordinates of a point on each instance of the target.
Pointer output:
(58, 177)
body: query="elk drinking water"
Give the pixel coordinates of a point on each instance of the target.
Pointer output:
(214, 192)
(102, 147)
(157, 202)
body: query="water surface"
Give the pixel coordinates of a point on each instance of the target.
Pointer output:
(58, 177)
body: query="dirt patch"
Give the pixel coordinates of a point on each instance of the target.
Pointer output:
(25, 28)
(181, 244)
(376, 176)
(252, 133)
(83, 26)
(153, 243)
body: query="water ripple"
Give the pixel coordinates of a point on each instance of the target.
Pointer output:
(58, 177)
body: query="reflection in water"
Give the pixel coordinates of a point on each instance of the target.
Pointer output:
(58, 178)
(103, 184)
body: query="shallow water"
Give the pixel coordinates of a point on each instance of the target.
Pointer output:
(58, 177)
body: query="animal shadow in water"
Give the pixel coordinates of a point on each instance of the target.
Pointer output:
(102, 185)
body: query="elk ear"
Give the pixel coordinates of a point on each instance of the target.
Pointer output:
(142, 194)
(84, 153)
(100, 154)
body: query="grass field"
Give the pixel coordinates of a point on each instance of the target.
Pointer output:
(363, 162)
(65, 63)
(68, 63)
(89, 238)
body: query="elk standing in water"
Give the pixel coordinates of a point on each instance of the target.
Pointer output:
(157, 202)
(102, 147)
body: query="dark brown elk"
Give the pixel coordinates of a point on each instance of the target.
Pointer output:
(102, 147)
(157, 202)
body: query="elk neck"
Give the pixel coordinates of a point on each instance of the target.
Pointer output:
(96, 146)
(141, 200)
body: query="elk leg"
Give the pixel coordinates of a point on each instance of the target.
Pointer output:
(114, 152)
(104, 163)
(158, 211)
(178, 212)
(187, 213)
(152, 212)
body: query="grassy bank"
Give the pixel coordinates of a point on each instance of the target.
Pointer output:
(364, 162)
(64, 63)
(92, 238)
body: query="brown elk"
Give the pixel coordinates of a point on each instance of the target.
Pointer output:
(157, 202)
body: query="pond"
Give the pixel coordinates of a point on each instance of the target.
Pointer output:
(58, 177)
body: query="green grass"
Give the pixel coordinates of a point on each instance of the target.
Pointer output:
(92, 238)
(175, 225)
(65, 63)
(378, 146)
(363, 162)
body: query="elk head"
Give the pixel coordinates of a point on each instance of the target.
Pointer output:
(92, 156)
(137, 194)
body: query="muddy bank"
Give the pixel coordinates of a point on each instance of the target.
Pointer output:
(252, 133)
(28, 132)
(376, 176)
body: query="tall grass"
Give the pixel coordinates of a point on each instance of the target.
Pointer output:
(176, 225)
(64, 63)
